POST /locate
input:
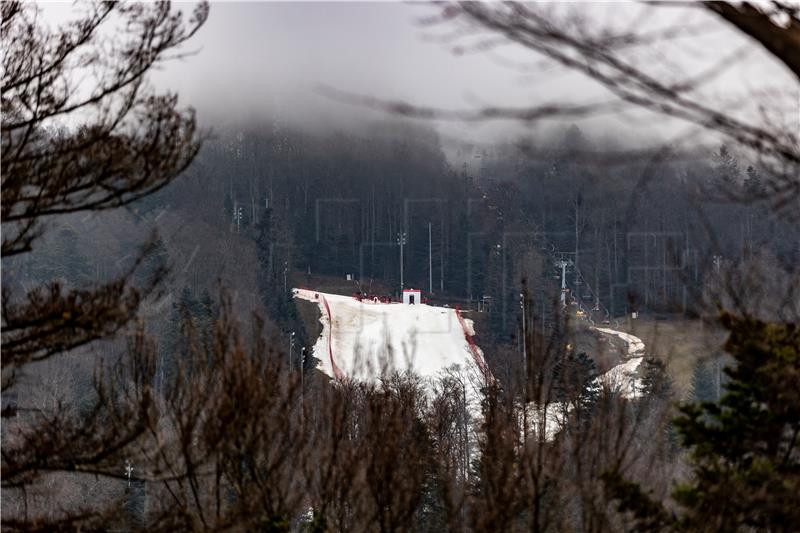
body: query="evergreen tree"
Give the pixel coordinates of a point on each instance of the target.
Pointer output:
(431, 513)
(657, 398)
(575, 379)
(655, 380)
(726, 168)
(704, 387)
(574, 141)
(744, 450)
(752, 182)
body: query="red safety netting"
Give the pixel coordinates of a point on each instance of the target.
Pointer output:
(477, 356)
(336, 371)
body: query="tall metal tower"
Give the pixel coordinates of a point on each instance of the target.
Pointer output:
(563, 264)
(401, 240)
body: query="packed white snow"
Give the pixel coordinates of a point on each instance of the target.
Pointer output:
(364, 340)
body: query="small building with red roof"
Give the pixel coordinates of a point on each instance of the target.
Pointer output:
(412, 296)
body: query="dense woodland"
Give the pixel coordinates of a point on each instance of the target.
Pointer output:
(644, 233)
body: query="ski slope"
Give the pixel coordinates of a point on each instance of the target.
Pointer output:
(363, 340)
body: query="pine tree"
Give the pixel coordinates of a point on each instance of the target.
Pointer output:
(704, 388)
(657, 399)
(655, 380)
(752, 183)
(744, 450)
(726, 169)
(575, 378)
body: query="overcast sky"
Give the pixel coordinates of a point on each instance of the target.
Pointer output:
(257, 57)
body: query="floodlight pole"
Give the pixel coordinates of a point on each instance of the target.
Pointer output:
(401, 240)
(430, 260)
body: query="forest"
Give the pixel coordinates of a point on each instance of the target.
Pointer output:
(161, 371)
(644, 233)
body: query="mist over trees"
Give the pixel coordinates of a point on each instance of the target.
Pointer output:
(644, 233)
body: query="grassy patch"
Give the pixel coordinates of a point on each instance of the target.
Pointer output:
(680, 343)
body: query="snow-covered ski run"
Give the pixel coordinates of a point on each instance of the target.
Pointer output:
(363, 340)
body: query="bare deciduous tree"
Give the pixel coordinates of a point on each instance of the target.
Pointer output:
(82, 131)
